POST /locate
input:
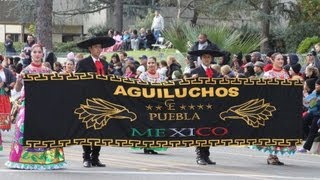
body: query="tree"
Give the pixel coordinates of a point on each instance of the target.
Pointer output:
(310, 10)
(199, 7)
(264, 11)
(40, 12)
(116, 7)
(24, 9)
(265, 26)
(305, 23)
(118, 15)
(44, 23)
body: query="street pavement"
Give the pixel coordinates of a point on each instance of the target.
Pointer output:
(176, 163)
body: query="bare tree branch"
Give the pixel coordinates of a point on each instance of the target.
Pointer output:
(81, 11)
(88, 7)
(186, 7)
(254, 5)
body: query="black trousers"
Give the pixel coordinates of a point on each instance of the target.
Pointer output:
(312, 131)
(91, 153)
(307, 121)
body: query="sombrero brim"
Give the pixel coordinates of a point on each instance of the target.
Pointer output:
(214, 53)
(104, 41)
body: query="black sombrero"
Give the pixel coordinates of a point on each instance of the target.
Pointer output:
(104, 41)
(214, 53)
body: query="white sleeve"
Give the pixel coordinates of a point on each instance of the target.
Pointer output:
(141, 69)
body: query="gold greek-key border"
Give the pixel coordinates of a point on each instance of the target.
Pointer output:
(160, 143)
(185, 82)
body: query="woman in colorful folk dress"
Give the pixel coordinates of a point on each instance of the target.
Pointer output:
(276, 72)
(7, 81)
(69, 67)
(151, 75)
(32, 158)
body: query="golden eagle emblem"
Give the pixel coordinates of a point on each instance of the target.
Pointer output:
(254, 112)
(97, 112)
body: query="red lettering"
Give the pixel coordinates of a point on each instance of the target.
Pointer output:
(207, 131)
(219, 131)
(199, 133)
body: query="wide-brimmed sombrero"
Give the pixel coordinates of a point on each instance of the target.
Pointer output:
(214, 53)
(104, 41)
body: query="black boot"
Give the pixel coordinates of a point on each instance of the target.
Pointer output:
(97, 163)
(86, 160)
(200, 157)
(86, 156)
(208, 160)
(95, 157)
(149, 151)
(206, 151)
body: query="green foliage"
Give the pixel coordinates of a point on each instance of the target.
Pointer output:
(308, 43)
(58, 47)
(180, 34)
(145, 22)
(296, 33)
(98, 30)
(304, 24)
(2, 48)
(17, 45)
(310, 10)
(32, 28)
(66, 47)
(175, 34)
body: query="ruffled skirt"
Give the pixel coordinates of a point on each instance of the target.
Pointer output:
(5, 109)
(276, 150)
(32, 158)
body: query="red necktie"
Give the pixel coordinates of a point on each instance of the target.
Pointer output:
(209, 72)
(99, 67)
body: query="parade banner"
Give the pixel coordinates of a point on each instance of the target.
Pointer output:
(90, 109)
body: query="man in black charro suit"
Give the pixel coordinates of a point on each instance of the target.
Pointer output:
(205, 70)
(93, 64)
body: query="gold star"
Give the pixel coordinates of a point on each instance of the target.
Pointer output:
(159, 107)
(200, 106)
(183, 107)
(209, 106)
(191, 107)
(149, 107)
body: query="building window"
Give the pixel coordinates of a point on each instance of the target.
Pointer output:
(69, 37)
(14, 37)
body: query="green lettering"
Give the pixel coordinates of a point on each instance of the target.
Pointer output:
(136, 132)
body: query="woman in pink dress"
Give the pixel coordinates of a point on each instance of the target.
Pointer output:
(32, 158)
(151, 75)
(276, 72)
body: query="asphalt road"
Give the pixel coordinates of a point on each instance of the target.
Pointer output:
(178, 163)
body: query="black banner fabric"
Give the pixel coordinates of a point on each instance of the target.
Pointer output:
(89, 109)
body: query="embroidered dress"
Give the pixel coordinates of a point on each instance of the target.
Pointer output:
(32, 158)
(276, 150)
(5, 108)
(145, 76)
